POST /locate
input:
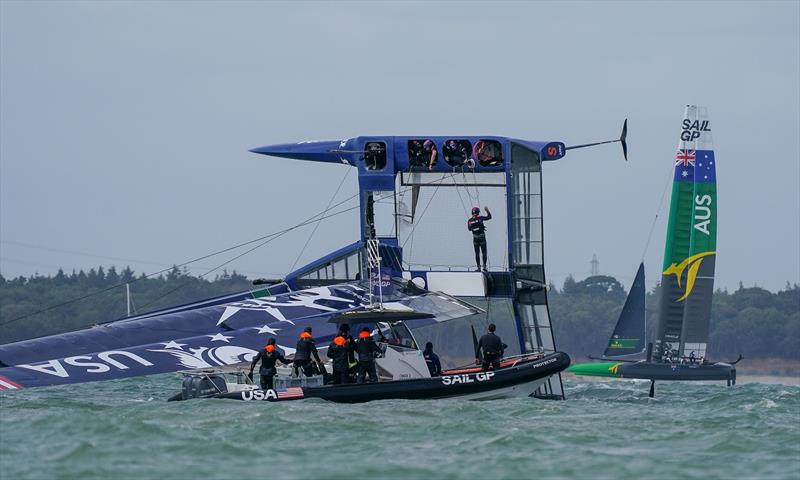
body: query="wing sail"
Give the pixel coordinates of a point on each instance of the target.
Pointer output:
(629, 334)
(687, 280)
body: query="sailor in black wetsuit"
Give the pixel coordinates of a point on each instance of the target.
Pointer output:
(268, 356)
(478, 229)
(367, 350)
(339, 350)
(306, 348)
(434, 366)
(492, 349)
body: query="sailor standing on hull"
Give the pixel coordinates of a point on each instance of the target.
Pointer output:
(367, 350)
(306, 348)
(268, 356)
(492, 348)
(478, 229)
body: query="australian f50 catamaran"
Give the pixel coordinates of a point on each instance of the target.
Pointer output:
(392, 173)
(687, 281)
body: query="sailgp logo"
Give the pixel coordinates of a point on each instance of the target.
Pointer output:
(693, 263)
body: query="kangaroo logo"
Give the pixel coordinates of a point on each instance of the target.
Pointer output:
(693, 263)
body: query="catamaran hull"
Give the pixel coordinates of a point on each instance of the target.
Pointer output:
(658, 371)
(519, 380)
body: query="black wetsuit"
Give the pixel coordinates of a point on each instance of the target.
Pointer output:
(340, 355)
(434, 366)
(268, 370)
(492, 348)
(306, 348)
(367, 349)
(478, 229)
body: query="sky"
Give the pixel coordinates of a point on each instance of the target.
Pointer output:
(125, 126)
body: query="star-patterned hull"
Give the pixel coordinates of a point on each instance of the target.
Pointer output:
(203, 337)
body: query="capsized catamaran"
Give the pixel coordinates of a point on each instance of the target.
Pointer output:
(229, 330)
(687, 280)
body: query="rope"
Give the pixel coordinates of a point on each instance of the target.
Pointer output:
(264, 239)
(658, 212)
(316, 226)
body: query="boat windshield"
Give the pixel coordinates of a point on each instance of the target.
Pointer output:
(397, 333)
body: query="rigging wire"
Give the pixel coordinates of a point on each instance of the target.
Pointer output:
(658, 212)
(411, 234)
(316, 226)
(264, 239)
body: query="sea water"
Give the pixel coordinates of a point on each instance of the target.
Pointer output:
(125, 429)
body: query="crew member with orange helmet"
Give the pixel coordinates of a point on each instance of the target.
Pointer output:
(367, 350)
(306, 349)
(339, 350)
(268, 356)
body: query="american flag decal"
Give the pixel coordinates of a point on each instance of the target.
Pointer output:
(288, 393)
(685, 158)
(6, 384)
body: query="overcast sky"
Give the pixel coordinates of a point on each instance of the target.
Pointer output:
(125, 127)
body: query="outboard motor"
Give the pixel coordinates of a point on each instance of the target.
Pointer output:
(203, 385)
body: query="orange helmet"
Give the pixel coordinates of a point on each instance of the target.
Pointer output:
(270, 348)
(305, 335)
(364, 334)
(339, 341)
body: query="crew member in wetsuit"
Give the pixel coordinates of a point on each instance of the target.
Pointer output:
(492, 349)
(367, 350)
(306, 348)
(429, 149)
(478, 229)
(434, 366)
(339, 350)
(268, 356)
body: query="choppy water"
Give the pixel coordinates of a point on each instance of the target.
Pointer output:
(125, 429)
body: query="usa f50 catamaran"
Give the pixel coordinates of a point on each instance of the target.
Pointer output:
(687, 281)
(393, 172)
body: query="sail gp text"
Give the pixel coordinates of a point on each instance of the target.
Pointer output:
(467, 378)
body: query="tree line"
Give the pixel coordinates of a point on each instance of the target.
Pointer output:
(106, 301)
(752, 321)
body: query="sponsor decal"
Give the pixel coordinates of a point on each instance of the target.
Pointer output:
(693, 263)
(273, 395)
(467, 378)
(690, 130)
(623, 343)
(614, 368)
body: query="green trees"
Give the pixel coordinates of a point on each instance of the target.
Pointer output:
(752, 321)
(22, 296)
